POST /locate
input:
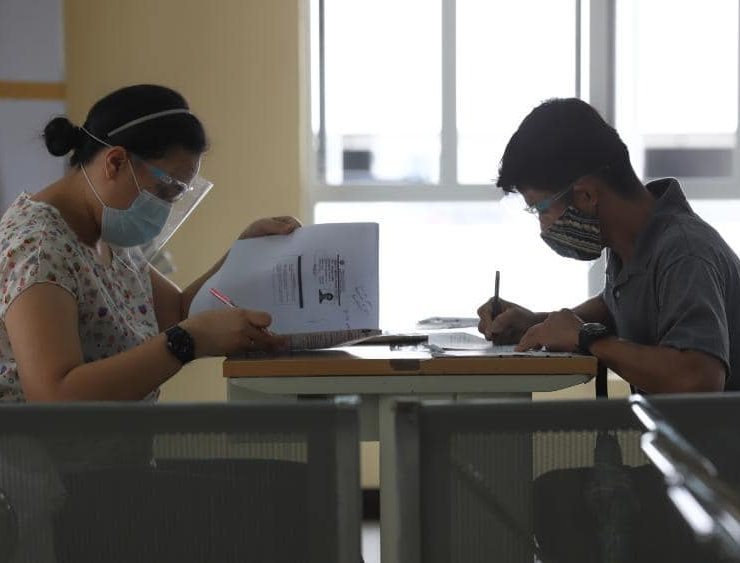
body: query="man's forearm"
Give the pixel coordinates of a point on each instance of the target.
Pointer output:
(660, 369)
(594, 311)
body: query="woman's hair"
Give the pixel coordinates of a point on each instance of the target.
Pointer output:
(150, 139)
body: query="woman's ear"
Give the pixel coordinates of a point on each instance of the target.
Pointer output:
(114, 162)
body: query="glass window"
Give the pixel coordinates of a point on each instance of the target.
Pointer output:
(382, 90)
(441, 258)
(722, 214)
(677, 85)
(510, 57)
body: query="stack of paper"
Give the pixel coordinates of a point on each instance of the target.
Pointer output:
(320, 283)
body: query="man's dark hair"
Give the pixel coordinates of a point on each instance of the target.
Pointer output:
(560, 141)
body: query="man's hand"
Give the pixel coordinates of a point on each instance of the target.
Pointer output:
(271, 226)
(558, 333)
(509, 325)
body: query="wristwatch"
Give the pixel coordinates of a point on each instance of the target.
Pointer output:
(590, 333)
(180, 343)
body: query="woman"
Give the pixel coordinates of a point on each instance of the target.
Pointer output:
(82, 315)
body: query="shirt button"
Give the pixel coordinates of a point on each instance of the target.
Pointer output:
(616, 294)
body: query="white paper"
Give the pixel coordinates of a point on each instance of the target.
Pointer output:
(319, 278)
(458, 341)
(330, 338)
(448, 322)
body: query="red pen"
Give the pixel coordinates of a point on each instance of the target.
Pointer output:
(225, 299)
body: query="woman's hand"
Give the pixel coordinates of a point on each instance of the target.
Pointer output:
(225, 331)
(271, 226)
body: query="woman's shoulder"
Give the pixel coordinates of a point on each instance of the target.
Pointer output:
(36, 246)
(28, 219)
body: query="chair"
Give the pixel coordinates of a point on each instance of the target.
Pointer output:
(562, 481)
(8, 529)
(186, 483)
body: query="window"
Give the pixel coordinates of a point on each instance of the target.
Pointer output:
(496, 90)
(440, 258)
(413, 102)
(382, 91)
(387, 92)
(677, 86)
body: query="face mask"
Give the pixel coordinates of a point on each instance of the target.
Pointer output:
(139, 223)
(575, 235)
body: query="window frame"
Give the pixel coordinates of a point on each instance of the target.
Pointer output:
(595, 83)
(448, 188)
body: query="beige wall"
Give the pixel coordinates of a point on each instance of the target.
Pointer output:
(238, 62)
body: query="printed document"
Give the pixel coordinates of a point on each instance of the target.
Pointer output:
(320, 278)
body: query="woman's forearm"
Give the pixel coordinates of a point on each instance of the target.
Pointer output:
(130, 375)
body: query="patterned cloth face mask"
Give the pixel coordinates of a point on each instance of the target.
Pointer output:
(575, 235)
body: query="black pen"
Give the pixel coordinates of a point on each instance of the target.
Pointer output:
(495, 303)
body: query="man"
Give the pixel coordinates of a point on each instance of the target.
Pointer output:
(667, 320)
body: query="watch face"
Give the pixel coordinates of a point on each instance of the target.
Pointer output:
(180, 343)
(590, 333)
(594, 329)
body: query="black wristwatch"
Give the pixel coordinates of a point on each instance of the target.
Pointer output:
(180, 343)
(590, 333)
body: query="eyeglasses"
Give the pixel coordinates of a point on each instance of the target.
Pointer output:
(544, 205)
(167, 188)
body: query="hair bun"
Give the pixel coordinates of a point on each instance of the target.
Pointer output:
(62, 136)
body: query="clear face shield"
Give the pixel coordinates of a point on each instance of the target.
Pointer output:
(182, 197)
(174, 198)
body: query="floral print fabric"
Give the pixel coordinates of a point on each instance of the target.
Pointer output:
(114, 302)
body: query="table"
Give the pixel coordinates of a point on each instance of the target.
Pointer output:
(382, 374)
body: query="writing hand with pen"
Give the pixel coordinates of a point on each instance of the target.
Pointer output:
(503, 322)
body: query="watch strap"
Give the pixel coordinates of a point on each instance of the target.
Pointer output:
(180, 343)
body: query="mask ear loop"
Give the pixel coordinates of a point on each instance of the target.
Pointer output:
(114, 253)
(89, 183)
(136, 180)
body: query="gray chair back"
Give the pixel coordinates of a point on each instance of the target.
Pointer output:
(519, 481)
(180, 482)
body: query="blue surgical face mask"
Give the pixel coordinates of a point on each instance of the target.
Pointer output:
(139, 223)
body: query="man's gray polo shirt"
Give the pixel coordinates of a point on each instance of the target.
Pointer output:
(682, 287)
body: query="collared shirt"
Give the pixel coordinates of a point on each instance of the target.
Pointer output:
(682, 287)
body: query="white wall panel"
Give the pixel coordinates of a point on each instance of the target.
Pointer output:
(31, 40)
(31, 50)
(25, 165)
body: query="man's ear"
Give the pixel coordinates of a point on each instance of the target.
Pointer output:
(586, 194)
(114, 162)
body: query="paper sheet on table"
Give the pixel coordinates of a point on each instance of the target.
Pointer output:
(457, 341)
(447, 322)
(319, 278)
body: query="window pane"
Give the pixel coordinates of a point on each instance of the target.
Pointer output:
(677, 85)
(383, 90)
(510, 57)
(440, 258)
(722, 214)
